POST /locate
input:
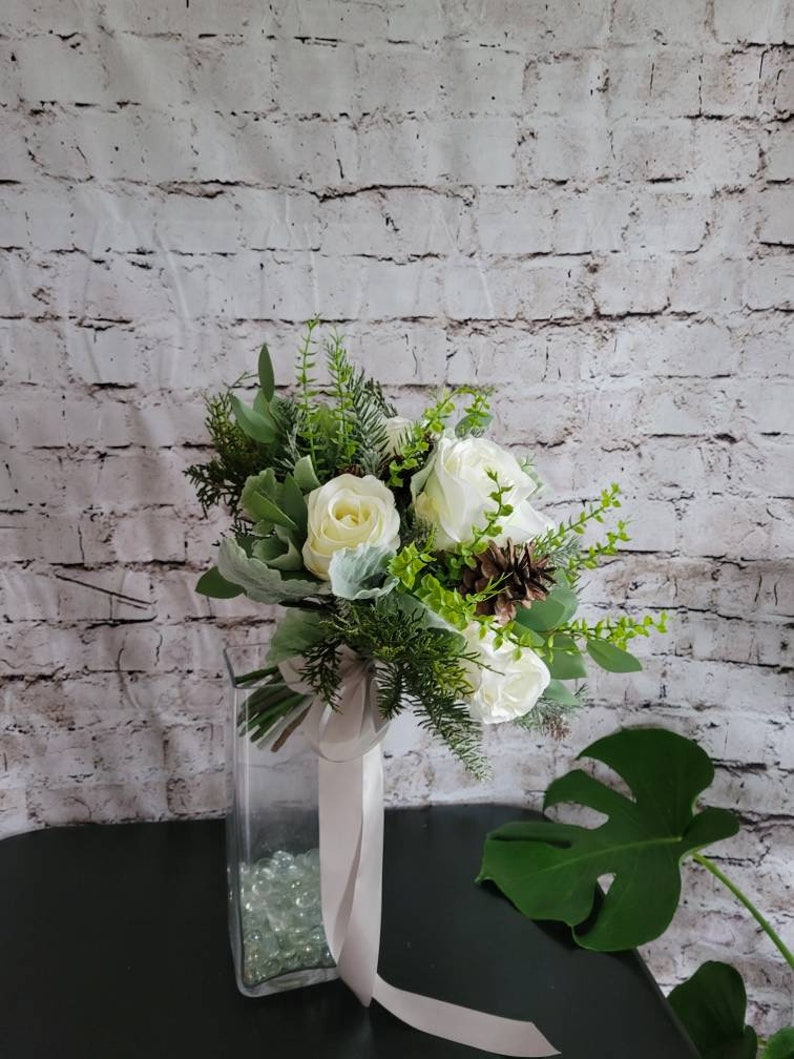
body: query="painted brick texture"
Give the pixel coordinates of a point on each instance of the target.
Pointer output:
(586, 204)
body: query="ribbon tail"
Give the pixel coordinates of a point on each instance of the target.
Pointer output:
(491, 1033)
(351, 875)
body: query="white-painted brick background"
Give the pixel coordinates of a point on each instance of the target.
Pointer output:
(588, 204)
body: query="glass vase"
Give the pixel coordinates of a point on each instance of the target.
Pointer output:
(272, 838)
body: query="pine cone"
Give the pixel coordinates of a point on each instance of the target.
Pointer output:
(522, 578)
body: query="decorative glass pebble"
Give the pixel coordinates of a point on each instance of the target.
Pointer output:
(282, 921)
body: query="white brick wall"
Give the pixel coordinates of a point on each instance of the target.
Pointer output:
(588, 204)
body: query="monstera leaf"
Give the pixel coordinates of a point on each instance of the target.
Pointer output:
(550, 870)
(711, 1007)
(780, 1045)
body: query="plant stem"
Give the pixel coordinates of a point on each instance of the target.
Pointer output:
(774, 937)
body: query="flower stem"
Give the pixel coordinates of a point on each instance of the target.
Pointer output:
(775, 938)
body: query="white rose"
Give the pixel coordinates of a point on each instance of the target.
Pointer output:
(346, 512)
(398, 430)
(454, 492)
(513, 683)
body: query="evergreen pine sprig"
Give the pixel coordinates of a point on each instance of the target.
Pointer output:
(221, 479)
(416, 665)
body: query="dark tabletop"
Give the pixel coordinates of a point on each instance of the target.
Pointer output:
(113, 945)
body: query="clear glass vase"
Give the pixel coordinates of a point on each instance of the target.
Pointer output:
(272, 838)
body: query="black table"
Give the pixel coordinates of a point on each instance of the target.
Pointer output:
(113, 945)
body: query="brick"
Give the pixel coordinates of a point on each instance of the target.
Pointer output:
(725, 156)
(232, 18)
(471, 151)
(730, 84)
(276, 220)
(783, 92)
(196, 224)
(637, 21)
(776, 209)
(766, 22)
(766, 348)
(559, 86)
(623, 286)
(124, 144)
(403, 222)
(234, 75)
(659, 82)
(759, 529)
(109, 803)
(661, 221)
(513, 223)
(189, 746)
(770, 284)
(358, 21)
(577, 151)
(317, 78)
(65, 70)
(590, 219)
(653, 150)
(700, 286)
(780, 155)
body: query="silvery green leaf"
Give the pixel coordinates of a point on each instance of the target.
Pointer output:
(278, 551)
(360, 573)
(297, 631)
(259, 581)
(305, 475)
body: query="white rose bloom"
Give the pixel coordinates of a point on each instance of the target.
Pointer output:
(512, 684)
(346, 512)
(454, 493)
(398, 430)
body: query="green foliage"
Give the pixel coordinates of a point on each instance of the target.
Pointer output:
(712, 1005)
(212, 584)
(618, 631)
(361, 573)
(221, 480)
(270, 707)
(260, 579)
(408, 563)
(550, 870)
(418, 665)
(494, 517)
(477, 414)
(433, 422)
(780, 1045)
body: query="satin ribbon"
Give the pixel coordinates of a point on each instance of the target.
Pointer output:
(350, 761)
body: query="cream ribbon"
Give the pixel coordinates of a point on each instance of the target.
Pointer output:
(350, 760)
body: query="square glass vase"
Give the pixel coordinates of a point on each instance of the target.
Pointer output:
(272, 838)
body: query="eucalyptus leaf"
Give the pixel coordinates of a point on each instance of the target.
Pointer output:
(267, 377)
(780, 1045)
(712, 1005)
(545, 614)
(558, 692)
(566, 662)
(261, 582)
(361, 573)
(550, 870)
(256, 425)
(212, 584)
(278, 551)
(273, 503)
(295, 633)
(613, 658)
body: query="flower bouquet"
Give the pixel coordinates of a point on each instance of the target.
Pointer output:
(416, 571)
